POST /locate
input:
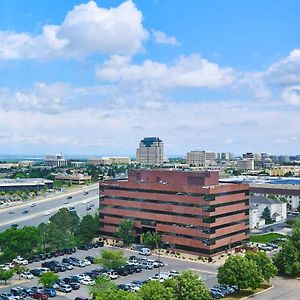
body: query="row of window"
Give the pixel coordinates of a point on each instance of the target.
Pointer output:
(209, 208)
(171, 213)
(153, 223)
(206, 197)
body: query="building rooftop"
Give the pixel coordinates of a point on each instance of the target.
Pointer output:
(25, 181)
(149, 141)
(263, 200)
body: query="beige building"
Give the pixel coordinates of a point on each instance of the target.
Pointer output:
(151, 151)
(110, 160)
(282, 170)
(76, 178)
(201, 158)
(245, 164)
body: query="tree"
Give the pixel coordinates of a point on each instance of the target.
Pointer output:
(48, 278)
(6, 275)
(19, 269)
(88, 228)
(264, 263)
(188, 286)
(266, 214)
(65, 219)
(288, 259)
(105, 289)
(151, 239)
(240, 271)
(154, 290)
(111, 259)
(126, 231)
(21, 241)
(102, 284)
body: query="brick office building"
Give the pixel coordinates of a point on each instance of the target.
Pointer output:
(191, 211)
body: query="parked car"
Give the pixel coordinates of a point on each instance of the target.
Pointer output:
(74, 285)
(26, 275)
(91, 259)
(65, 288)
(112, 275)
(87, 281)
(81, 298)
(20, 261)
(18, 292)
(50, 291)
(145, 251)
(40, 295)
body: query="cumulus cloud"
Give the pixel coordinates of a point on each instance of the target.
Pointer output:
(291, 95)
(188, 71)
(161, 38)
(86, 29)
(286, 71)
(47, 98)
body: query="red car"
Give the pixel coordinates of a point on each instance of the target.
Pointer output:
(40, 296)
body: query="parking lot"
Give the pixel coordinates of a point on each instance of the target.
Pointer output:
(206, 272)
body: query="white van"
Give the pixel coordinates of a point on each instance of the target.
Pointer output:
(145, 251)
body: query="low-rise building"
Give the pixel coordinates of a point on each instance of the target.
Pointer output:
(76, 178)
(288, 191)
(28, 184)
(201, 158)
(278, 210)
(108, 160)
(245, 164)
(78, 164)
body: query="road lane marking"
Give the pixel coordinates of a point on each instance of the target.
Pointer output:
(42, 213)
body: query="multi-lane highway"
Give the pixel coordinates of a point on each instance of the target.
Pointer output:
(37, 211)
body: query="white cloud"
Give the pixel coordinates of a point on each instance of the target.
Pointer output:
(188, 71)
(161, 38)
(86, 29)
(41, 97)
(116, 128)
(291, 95)
(285, 71)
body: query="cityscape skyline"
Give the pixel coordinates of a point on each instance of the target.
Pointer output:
(218, 80)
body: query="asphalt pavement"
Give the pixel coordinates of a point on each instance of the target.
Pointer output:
(40, 210)
(208, 273)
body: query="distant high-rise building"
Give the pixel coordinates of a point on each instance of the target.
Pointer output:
(56, 160)
(201, 158)
(248, 155)
(151, 151)
(226, 156)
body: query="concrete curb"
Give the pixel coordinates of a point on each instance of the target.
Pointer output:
(251, 296)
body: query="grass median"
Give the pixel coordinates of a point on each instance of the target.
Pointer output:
(247, 293)
(266, 238)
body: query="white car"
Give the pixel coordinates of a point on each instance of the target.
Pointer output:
(87, 282)
(32, 205)
(83, 277)
(112, 274)
(20, 261)
(5, 267)
(86, 262)
(145, 251)
(47, 213)
(26, 275)
(173, 273)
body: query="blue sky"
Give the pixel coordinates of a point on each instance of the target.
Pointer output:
(94, 77)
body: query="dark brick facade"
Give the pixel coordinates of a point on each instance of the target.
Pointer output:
(190, 210)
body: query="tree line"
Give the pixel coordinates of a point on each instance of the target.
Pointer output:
(65, 229)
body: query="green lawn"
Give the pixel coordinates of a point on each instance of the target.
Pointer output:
(246, 293)
(265, 238)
